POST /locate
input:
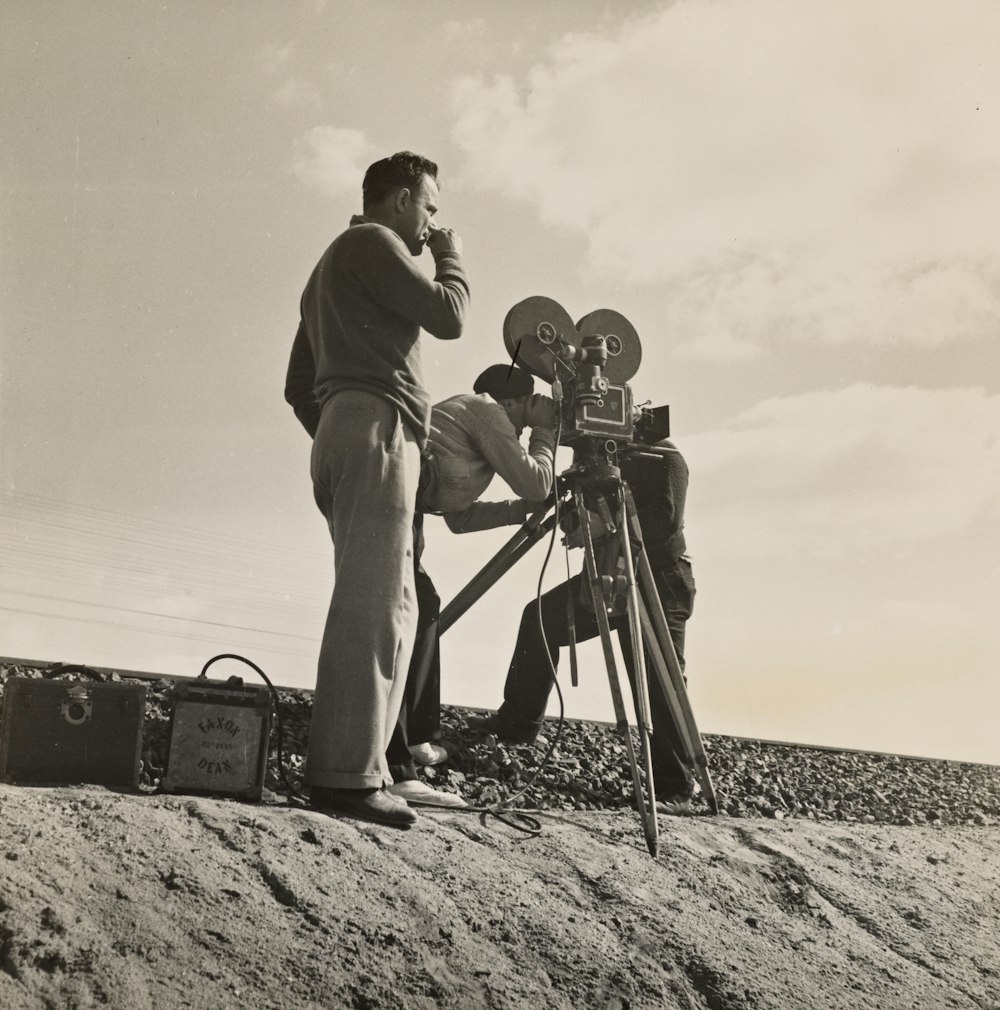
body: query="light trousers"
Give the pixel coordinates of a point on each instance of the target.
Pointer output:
(365, 469)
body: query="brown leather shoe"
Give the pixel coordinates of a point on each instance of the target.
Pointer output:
(366, 804)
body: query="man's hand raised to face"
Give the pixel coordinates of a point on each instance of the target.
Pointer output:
(444, 240)
(540, 412)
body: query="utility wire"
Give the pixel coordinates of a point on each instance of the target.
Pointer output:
(120, 552)
(155, 526)
(160, 614)
(232, 587)
(146, 631)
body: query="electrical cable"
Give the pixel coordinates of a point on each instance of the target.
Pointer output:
(37, 528)
(531, 825)
(517, 818)
(298, 799)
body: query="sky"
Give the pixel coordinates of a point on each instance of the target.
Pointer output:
(795, 204)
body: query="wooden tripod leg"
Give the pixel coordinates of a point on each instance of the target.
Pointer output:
(647, 813)
(659, 664)
(519, 544)
(668, 670)
(674, 679)
(640, 674)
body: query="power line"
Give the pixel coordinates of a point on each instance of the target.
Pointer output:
(162, 527)
(147, 631)
(46, 540)
(152, 573)
(86, 541)
(156, 556)
(155, 613)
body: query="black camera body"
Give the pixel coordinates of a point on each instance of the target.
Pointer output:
(607, 416)
(611, 415)
(591, 406)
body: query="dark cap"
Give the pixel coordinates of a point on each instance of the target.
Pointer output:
(503, 382)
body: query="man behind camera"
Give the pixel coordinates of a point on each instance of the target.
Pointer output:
(659, 488)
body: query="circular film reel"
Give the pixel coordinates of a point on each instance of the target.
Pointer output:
(621, 339)
(533, 328)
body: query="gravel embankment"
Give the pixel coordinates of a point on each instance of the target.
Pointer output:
(588, 770)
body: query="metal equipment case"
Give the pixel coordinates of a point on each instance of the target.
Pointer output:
(60, 732)
(219, 734)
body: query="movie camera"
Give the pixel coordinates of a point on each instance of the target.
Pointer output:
(589, 364)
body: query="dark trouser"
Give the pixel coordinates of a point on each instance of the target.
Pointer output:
(420, 716)
(529, 679)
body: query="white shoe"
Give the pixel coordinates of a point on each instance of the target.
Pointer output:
(428, 753)
(421, 794)
(677, 806)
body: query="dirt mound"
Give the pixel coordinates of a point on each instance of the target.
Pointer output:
(831, 879)
(135, 901)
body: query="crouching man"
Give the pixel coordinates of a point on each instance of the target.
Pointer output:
(473, 437)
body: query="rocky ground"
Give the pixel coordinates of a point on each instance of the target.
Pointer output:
(831, 880)
(588, 770)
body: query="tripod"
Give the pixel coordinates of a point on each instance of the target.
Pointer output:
(604, 493)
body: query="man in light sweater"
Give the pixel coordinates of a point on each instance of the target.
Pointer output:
(354, 381)
(473, 437)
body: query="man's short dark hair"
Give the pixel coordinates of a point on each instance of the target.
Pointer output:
(403, 170)
(505, 383)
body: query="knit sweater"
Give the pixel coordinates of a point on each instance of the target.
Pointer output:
(472, 439)
(361, 315)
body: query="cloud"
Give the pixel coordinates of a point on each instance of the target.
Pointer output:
(276, 58)
(300, 94)
(782, 171)
(462, 33)
(333, 159)
(830, 473)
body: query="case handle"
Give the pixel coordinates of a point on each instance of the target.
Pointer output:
(73, 668)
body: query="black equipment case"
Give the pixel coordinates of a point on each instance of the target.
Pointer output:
(219, 735)
(61, 732)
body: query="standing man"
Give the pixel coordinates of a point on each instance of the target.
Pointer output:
(354, 381)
